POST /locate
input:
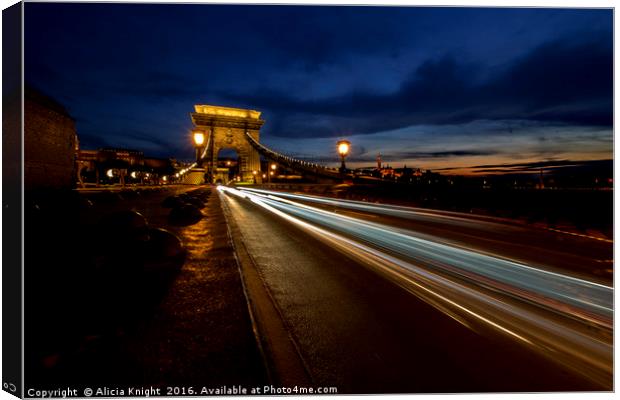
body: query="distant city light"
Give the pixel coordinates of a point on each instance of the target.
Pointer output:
(133, 174)
(110, 173)
(273, 167)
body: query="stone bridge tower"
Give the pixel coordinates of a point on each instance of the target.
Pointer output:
(226, 127)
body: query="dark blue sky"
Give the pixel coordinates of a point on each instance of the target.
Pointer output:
(431, 87)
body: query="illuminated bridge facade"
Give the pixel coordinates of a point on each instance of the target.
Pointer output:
(238, 129)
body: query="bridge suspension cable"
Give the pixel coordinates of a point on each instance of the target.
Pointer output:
(293, 163)
(206, 148)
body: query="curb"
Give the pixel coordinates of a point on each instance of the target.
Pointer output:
(283, 361)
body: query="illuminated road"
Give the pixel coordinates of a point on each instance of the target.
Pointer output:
(589, 258)
(466, 320)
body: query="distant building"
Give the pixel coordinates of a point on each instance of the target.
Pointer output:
(127, 156)
(126, 165)
(404, 174)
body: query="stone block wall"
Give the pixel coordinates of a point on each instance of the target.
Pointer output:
(49, 143)
(234, 138)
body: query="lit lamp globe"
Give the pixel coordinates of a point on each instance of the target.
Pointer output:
(199, 140)
(343, 149)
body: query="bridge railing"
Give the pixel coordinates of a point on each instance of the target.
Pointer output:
(293, 163)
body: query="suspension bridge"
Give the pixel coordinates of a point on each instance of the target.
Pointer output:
(238, 129)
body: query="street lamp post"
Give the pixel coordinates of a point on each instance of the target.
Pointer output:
(272, 172)
(199, 140)
(343, 150)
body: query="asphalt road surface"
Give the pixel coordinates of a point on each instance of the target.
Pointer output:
(399, 300)
(579, 254)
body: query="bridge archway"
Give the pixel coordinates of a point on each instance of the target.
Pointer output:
(228, 128)
(227, 167)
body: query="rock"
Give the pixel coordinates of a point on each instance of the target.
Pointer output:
(196, 202)
(123, 228)
(172, 201)
(184, 215)
(164, 251)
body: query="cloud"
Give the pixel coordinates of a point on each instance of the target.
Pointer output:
(460, 145)
(443, 154)
(131, 138)
(144, 84)
(550, 166)
(565, 81)
(438, 81)
(532, 165)
(149, 143)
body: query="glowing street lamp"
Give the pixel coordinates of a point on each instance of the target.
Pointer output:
(199, 140)
(273, 171)
(343, 150)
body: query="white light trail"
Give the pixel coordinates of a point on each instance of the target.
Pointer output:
(456, 282)
(585, 299)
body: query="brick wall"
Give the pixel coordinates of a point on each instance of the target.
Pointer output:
(49, 143)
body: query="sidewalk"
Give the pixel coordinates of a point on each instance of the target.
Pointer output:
(199, 335)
